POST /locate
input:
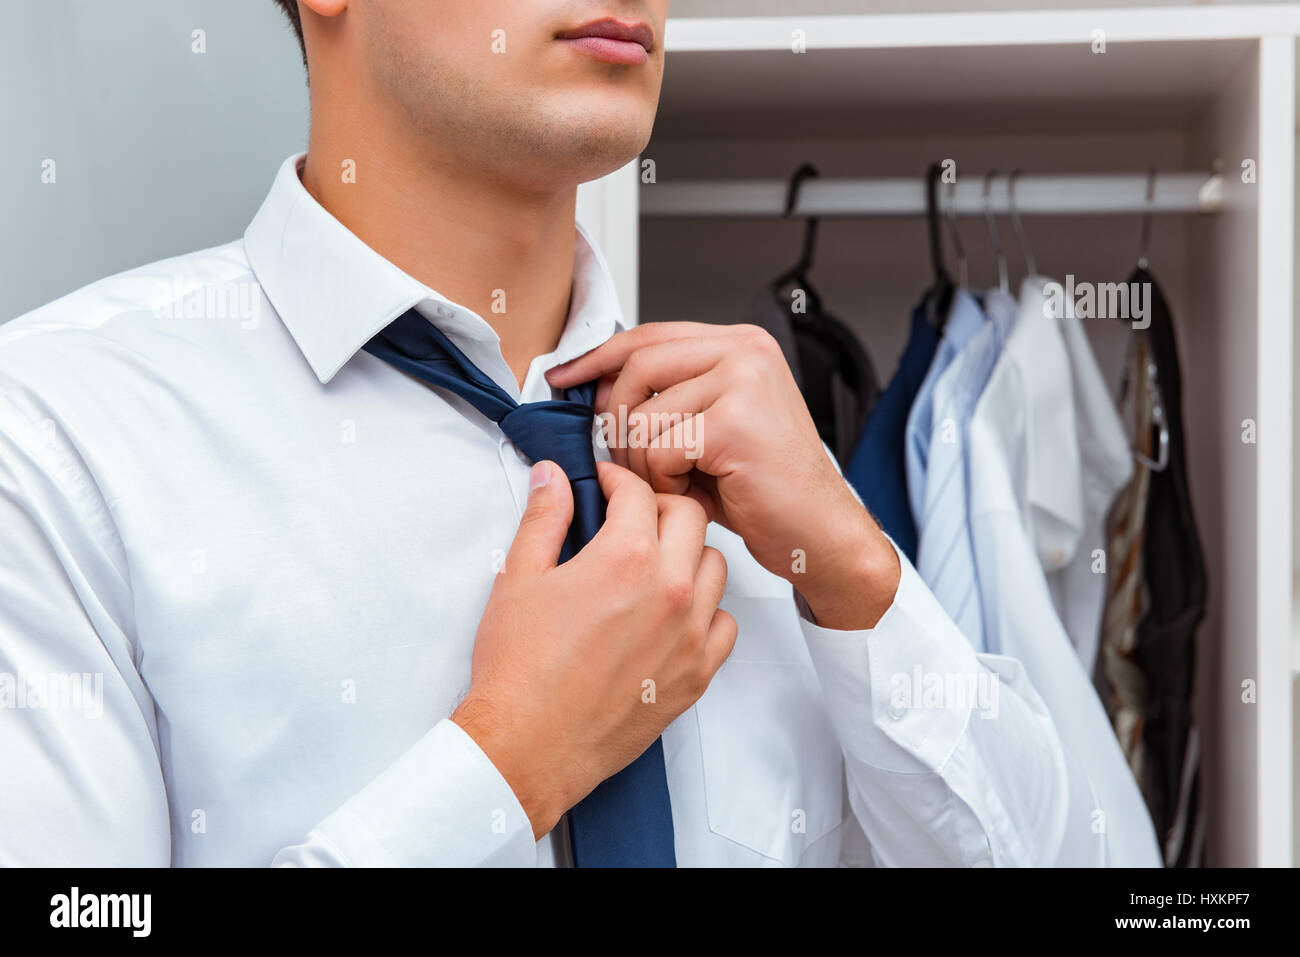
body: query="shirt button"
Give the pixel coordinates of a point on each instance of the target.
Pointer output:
(896, 710)
(1056, 556)
(444, 312)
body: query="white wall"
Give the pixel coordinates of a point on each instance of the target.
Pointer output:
(158, 150)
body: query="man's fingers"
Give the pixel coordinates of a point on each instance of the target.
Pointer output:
(671, 417)
(720, 641)
(611, 356)
(680, 454)
(658, 387)
(632, 508)
(710, 581)
(545, 522)
(682, 527)
(685, 370)
(660, 367)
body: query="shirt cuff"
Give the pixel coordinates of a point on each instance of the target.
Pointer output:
(903, 691)
(441, 804)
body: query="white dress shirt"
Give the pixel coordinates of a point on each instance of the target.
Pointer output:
(270, 552)
(1026, 511)
(1106, 465)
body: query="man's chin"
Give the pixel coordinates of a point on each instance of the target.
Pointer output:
(596, 148)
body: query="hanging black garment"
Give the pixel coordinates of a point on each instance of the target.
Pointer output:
(832, 369)
(1176, 594)
(840, 384)
(830, 366)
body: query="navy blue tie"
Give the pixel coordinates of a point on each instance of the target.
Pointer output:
(627, 820)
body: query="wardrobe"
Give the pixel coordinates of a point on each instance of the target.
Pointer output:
(1086, 103)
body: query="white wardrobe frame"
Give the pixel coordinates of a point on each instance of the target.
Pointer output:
(1255, 813)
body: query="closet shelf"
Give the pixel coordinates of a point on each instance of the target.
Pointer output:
(979, 28)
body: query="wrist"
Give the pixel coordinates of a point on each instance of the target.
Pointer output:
(490, 729)
(852, 581)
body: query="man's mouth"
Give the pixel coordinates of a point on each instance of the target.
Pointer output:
(622, 42)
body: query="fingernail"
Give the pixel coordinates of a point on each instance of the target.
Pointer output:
(539, 476)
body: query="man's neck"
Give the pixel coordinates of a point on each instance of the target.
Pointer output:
(500, 250)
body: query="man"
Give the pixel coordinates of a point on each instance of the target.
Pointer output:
(317, 593)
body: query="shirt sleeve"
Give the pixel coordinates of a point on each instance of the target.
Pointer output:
(84, 784)
(441, 804)
(951, 756)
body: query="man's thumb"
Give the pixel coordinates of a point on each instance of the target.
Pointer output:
(545, 521)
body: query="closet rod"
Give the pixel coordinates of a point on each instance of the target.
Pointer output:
(1180, 192)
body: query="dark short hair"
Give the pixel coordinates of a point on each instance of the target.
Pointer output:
(290, 8)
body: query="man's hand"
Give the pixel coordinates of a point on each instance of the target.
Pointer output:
(713, 413)
(578, 668)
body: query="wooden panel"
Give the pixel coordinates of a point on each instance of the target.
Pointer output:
(1276, 243)
(1219, 340)
(607, 208)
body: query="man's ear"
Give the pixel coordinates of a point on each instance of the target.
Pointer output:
(325, 8)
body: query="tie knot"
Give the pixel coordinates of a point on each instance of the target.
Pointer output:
(558, 430)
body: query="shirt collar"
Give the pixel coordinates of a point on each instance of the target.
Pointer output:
(964, 320)
(334, 293)
(1001, 309)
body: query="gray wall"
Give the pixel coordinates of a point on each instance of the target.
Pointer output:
(158, 150)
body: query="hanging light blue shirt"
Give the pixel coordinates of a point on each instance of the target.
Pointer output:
(937, 460)
(964, 319)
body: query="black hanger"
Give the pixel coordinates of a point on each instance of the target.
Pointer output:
(798, 273)
(963, 269)
(939, 297)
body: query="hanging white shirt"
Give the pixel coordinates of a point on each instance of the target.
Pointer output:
(1106, 465)
(270, 551)
(1026, 511)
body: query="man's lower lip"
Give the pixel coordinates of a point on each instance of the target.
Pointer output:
(623, 52)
